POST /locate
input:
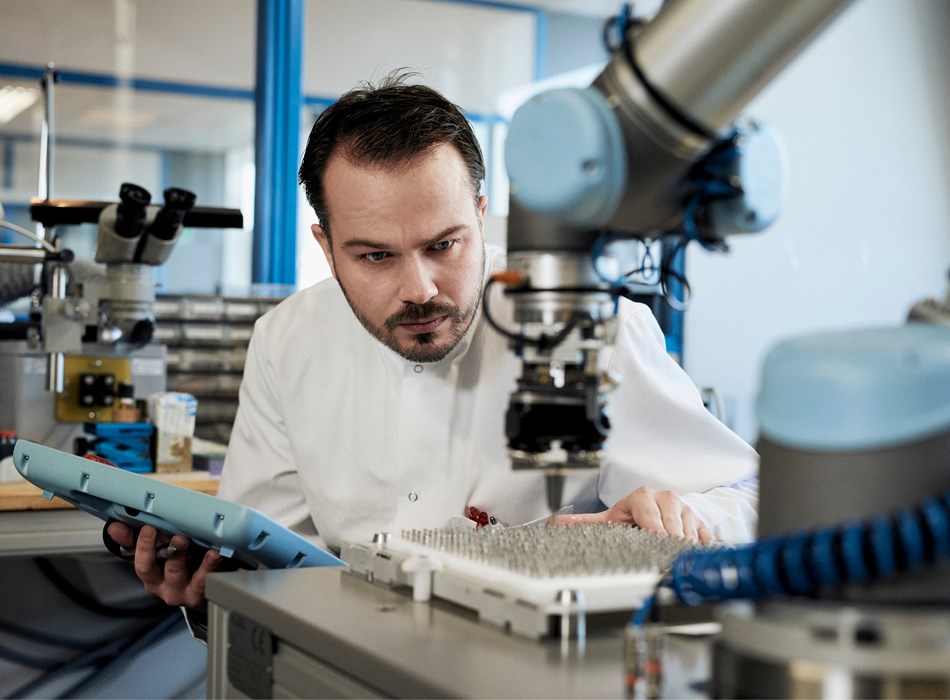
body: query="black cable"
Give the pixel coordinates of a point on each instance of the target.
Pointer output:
(543, 342)
(110, 649)
(44, 638)
(647, 269)
(625, 23)
(22, 659)
(665, 103)
(138, 643)
(511, 335)
(668, 275)
(622, 22)
(61, 668)
(65, 587)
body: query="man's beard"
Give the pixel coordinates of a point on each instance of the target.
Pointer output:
(422, 347)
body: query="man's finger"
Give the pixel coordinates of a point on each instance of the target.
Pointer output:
(673, 513)
(208, 564)
(673, 523)
(146, 568)
(691, 528)
(176, 566)
(651, 522)
(602, 517)
(705, 534)
(122, 535)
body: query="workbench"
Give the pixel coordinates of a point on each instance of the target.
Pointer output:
(325, 632)
(31, 525)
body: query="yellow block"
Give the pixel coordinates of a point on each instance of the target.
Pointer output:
(68, 406)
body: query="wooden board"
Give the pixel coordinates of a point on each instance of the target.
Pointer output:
(22, 495)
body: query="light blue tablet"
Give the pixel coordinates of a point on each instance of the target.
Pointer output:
(238, 532)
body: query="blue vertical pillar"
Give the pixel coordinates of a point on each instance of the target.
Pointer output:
(278, 101)
(672, 322)
(540, 45)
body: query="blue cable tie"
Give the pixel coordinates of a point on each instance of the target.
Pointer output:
(823, 557)
(912, 538)
(939, 525)
(766, 566)
(851, 546)
(882, 542)
(682, 580)
(793, 558)
(745, 566)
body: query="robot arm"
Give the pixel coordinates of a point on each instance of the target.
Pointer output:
(652, 146)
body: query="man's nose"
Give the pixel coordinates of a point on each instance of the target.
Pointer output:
(418, 282)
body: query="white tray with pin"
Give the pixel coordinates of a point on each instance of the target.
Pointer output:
(533, 580)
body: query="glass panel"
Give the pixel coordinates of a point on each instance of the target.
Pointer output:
(132, 105)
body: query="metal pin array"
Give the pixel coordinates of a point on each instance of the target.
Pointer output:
(550, 551)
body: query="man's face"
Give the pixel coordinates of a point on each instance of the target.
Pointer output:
(407, 249)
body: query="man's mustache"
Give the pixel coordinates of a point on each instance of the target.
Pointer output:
(411, 313)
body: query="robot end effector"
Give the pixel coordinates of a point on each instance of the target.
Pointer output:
(651, 149)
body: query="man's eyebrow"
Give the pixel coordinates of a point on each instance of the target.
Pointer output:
(377, 245)
(362, 243)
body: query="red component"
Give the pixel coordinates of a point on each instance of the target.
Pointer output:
(96, 458)
(479, 516)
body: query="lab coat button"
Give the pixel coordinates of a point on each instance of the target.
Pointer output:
(418, 369)
(413, 496)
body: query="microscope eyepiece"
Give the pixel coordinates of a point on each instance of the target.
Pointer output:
(170, 217)
(177, 198)
(130, 213)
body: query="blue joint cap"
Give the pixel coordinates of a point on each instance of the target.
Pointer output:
(758, 162)
(857, 389)
(566, 158)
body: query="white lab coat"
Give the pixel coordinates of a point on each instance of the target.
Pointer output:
(336, 427)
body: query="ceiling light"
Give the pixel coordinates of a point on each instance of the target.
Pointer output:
(116, 118)
(15, 99)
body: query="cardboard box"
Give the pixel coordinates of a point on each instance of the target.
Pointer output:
(173, 414)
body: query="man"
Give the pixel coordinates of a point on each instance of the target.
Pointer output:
(375, 401)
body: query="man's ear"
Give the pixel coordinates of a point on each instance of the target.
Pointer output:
(321, 237)
(481, 208)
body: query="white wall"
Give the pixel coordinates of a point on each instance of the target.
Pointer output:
(866, 229)
(469, 52)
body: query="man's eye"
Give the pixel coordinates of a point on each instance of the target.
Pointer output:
(443, 245)
(377, 256)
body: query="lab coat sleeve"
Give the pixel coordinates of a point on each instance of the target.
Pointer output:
(663, 437)
(729, 511)
(260, 470)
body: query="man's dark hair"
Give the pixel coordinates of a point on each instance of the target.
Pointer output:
(389, 123)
